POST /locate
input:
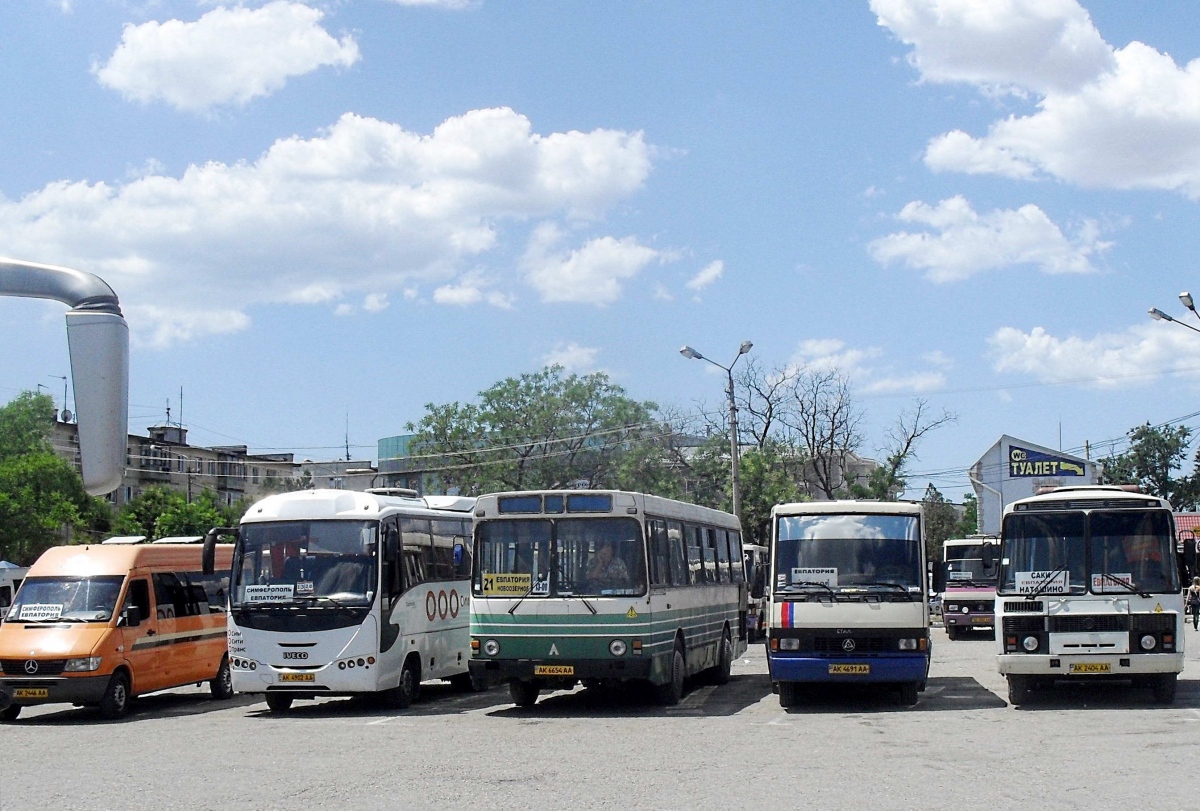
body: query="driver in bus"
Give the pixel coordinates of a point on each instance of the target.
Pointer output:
(606, 570)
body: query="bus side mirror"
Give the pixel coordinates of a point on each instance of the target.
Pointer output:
(760, 582)
(989, 556)
(939, 576)
(208, 555)
(131, 617)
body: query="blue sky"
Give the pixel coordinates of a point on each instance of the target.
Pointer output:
(330, 213)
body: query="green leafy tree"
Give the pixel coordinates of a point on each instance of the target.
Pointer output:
(766, 480)
(42, 499)
(140, 515)
(1154, 456)
(941, 522)
(544, 429)
(196, 517)
(969, 523)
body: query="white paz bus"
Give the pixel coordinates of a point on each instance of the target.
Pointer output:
(1089, 590)
(339, 593)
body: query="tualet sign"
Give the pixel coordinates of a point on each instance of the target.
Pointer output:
(1025, 463)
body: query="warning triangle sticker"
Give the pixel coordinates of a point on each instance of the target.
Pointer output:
(631, 614)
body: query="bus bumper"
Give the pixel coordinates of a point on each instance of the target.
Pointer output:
(1066, 667)
(56, 690)
(502, 670)
(967, 621)
(894, 667)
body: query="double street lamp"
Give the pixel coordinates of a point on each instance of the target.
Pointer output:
(692, 354)
(1186, 298)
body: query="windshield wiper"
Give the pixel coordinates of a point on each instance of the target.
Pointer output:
(521, 599)
(1112, 578)
(1045, 584)
(807, 583)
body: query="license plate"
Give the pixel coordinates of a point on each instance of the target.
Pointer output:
(554, 670)
(1091, 667)
(981, 620)
(853, 670)
(31, 692)
(297, 677)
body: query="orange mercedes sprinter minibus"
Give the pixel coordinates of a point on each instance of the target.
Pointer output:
(96, 625)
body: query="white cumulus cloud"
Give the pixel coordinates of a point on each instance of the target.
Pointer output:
(860, 364)
(1105, 360)
(221, 238)
(228, 56)
(961, 242)
(1125, 118)
(590, 274)
(707, 275)
(572, 357)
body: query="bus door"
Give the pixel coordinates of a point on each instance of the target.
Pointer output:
(141, 640)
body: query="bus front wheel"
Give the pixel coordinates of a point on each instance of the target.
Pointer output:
(669, 694)
(221, 685)
(787, 694)
(1018, 689)
(908, 693)
(404, 694)
(721, 673)
(115, 701)
(279, 702)
(10, 712)
(1164, 688)
(524, 693)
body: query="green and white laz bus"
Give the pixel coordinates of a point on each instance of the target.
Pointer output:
(604, 587)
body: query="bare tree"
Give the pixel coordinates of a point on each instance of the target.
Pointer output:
(823, 415)
(764, 398)
(887, 481)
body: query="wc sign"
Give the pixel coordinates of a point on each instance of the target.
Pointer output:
(1024, 463)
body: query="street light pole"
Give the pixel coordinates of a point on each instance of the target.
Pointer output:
(1159, 315)
(734, 449)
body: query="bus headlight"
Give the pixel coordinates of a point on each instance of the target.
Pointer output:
(908, 644)
(617, 647)
(1030, 643)
(491, 647)
(966, 609)
(1148, 642)
(84, 665)
(952, 607)
(789, 643)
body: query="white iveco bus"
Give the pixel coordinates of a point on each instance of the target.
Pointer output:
(604, 587)
(1089, 590)
(336, 593)
(848, 596)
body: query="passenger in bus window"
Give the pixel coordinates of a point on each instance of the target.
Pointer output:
(606, 571)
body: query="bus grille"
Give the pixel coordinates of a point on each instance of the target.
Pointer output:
(1024, 625)
(870, 644)
(45, 667)
(1024, 606)
(1151, 622)
(1085, 623)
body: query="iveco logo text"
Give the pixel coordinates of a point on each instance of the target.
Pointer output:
(295, 654)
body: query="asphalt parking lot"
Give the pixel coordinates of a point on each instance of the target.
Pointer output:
(1083, 747)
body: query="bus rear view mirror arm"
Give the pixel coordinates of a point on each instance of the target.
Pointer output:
(98, 341)
(208, 558)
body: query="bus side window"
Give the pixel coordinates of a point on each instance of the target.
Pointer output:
(138, 596)
(5, 596)
(735, 557)
(444, 540)
(462, 551)
(393, 565)
(695, 558)
(660, 553)
(418, 551)
(722, 555)
(679, 567)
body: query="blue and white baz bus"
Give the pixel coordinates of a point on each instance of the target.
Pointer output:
(848, 597)
(341, 593)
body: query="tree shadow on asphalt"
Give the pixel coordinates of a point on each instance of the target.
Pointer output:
(1110, 695)
(942, 694)
(637, 700)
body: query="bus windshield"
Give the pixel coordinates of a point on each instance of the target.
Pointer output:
(592, 557)
(317, 562)
(964, 564)
(66, 599)
(833, 551)
(1103, 552)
